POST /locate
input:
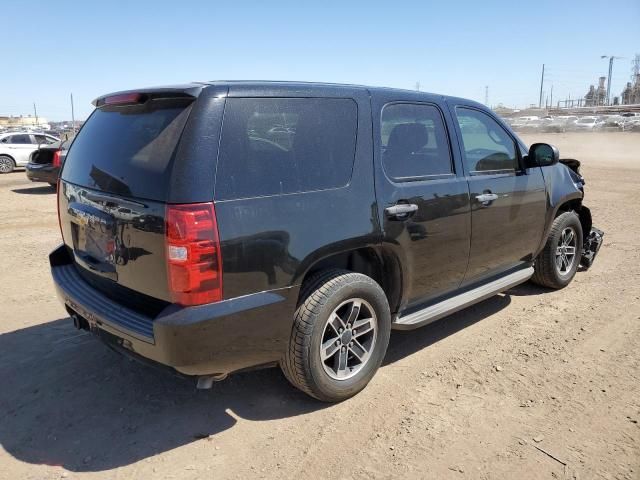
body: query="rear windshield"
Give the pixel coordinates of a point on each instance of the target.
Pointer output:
(128, 150)
(273, 146)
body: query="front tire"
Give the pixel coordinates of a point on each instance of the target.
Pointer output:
(558, 262)
(340, 335)
(6, 164)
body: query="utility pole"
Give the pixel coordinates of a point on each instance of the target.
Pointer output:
(611, 59)
(418, 86)
(486, 95)
(35, 112)
(541, 84)
(551, 101)
(73, 118)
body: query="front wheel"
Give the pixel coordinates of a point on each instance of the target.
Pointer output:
(340, 335)
(558, 262)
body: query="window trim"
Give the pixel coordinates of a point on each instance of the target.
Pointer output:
(504, 172)
(417, 178)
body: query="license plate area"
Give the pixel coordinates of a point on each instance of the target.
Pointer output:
(94, 239)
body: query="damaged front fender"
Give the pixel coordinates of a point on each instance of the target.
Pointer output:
(565, 191)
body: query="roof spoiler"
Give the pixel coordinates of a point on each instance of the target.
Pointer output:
(129, 97)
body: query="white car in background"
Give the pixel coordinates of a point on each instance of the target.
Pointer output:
(17, 147)
(588, 123)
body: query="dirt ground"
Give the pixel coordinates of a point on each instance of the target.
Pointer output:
(531, 384)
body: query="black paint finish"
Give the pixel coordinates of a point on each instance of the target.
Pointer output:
(116, 244)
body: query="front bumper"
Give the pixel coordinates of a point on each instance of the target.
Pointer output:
(42, 172)
(210, 339)
(591, 247)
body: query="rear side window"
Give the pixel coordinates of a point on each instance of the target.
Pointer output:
(272, 146)
(20, 139)
(414, 141)
(128, 150)
(44, 139)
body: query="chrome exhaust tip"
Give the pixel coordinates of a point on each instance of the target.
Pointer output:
(205, 382)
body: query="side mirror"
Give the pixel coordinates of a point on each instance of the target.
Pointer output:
(543, 155)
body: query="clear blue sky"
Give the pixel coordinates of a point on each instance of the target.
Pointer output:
(453, 47)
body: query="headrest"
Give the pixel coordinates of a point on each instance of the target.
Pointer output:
(409, 137)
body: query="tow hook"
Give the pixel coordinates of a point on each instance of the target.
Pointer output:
(590, 247)
(205, 382)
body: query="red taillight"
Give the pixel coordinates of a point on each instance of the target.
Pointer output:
(193, 254)
(56, 158)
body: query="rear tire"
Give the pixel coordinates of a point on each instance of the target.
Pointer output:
(6, 164)
(558, 262)
(340, 335)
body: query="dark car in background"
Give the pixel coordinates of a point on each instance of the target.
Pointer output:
(221, 226)
(46, 162)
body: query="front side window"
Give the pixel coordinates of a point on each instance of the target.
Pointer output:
(487, 146)
(272, 146)
(414, 141)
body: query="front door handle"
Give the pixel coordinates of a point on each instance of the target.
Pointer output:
(401, 210)
(486, 198)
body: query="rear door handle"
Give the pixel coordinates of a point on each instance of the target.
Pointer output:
(401, 210)
(486, 198)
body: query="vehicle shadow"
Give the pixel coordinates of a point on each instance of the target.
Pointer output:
(405, 343)
(42, 190)
(68, 400)
(527, 289)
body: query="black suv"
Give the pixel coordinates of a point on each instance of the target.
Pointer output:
(215, 227)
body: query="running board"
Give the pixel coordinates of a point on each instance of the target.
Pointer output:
(463, 300)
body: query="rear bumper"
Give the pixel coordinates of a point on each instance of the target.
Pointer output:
(208, 339)
(42, 172)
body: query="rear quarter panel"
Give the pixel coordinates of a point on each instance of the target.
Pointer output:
(270, 242)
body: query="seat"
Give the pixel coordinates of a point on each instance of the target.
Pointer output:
(401, 157)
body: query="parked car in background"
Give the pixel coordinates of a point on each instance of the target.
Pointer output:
(560, 124)
(200, 235)
(588, 123)
(16, 148)
(613, 122)
(632, 124)
(45, 163)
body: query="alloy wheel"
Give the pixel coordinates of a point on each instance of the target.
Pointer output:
(348, 338)
(5, 165)
(566, 251)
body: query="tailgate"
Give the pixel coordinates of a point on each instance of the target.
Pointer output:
(113, 194)
(118, 245)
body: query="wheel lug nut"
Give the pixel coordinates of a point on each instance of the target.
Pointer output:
(351, 344)
(344, 349)
(338, 343)
(340, 330)
(354, 331)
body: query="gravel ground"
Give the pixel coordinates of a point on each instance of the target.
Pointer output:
(530, 384)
